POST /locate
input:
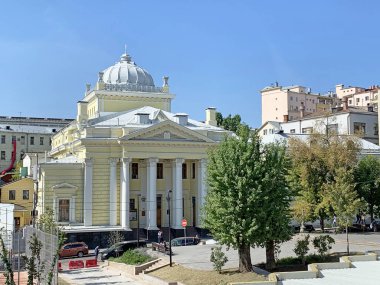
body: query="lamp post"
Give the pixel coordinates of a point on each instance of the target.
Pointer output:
(170, 236)
(138, 217)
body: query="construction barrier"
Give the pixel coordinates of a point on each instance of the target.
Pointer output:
(59, 266)
(91, 263)
(76, 264)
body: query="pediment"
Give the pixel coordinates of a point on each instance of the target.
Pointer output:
(64, 186)
(167, 131)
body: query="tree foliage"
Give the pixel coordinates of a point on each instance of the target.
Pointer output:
(314, 166)
(367, 179)
(342, 197)
(218, 258)
(230, 123)
(301, 248)
(247, 200)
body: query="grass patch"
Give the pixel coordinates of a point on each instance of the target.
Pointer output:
(132, 257)
(190, 276)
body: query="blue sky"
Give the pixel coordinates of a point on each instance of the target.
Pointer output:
(217, 53)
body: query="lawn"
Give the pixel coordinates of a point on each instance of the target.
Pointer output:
(195, 277)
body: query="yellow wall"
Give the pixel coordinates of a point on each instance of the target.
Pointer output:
(19, 186)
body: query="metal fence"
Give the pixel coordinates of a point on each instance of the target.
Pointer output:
(49, 248)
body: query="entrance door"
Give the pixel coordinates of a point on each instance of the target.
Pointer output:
(159, 201)
(194, 211)
(16, 223)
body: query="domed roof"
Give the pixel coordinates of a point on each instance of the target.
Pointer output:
(127, 72)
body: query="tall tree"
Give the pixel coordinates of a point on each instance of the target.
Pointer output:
(241, 196)
(274, 198)
(367, 178)
(230, 123)
(314, 165)
(343, 198)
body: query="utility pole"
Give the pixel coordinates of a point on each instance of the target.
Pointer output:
(170, 236)
(35, 195)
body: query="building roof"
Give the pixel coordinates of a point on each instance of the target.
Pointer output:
(130, 119)
(339, 111)
(32, 129)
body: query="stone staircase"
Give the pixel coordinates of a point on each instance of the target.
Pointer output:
(161, 263)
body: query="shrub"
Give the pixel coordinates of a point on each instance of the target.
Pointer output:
(301, 248)
(132, 257)
(218, 258)
(323, 243)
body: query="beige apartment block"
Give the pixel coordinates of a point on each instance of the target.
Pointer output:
(285, 103)
(359, 96)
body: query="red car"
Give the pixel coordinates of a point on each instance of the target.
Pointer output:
(73, 249)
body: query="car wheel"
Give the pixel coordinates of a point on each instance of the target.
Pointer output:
(80, 254)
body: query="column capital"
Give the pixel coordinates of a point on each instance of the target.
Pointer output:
(113, 161)
(152, 160)
(88, 161)
(126, 160)
(178, 161)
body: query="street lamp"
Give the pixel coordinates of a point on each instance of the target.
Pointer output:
(138, 217)
(170, 236)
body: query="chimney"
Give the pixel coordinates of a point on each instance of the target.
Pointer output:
(286, 118)
(82, 115)
(302, 110)
(181, 118)
(211, 116)
(345, 104)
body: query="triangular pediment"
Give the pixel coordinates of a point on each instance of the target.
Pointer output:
(64, 185)
(167, 131)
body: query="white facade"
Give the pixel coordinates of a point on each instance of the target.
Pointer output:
(7, 223)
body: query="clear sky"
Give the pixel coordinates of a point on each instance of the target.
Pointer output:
(217, 53)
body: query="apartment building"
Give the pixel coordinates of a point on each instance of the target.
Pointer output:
(359, 96)
(23, 135)
(279, 103)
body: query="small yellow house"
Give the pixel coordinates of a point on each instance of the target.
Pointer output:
(19, 193)
(115, 164)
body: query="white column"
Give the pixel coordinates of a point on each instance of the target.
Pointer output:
(113, 192)
(177, 193)
(202, 188)
(72, 210)
(152, 194)
(87, 195)
(124, 201)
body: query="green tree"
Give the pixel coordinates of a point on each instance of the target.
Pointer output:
(367, 179)
(242, 194)
(314, 165)
(342, 197)
(230, 123)
(274, 198)
(218, 258)
(301, 248)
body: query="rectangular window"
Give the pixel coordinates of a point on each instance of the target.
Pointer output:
(359, 128)
(291, 98)
(31, 140)
(350, 102)
(41, 140)
(307, 130)
(3, 139)
(293, 131)
(332, 128)
(25, 194)
(265, 132)
(22, 140)
(3, 155)
(12, 194)
(160, 171)
(357, 100)
(132, 205)
(184, 171)
(366, 98)
(135, 171)
(193, 168)
(64, 210)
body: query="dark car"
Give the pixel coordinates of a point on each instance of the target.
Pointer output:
(73, 249)
(119, 248)
(185, 241)
(308, 228)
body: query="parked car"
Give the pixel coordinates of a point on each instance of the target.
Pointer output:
(185, 241)
(119, 248)
(73, 249)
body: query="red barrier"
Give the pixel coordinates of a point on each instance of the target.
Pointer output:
(76, 264)
(59, 266)
(91, 263)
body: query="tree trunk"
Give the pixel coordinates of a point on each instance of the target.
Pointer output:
(322, 223)
(269, 249)
(245, 264)
(371, 211)
(348, 244)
